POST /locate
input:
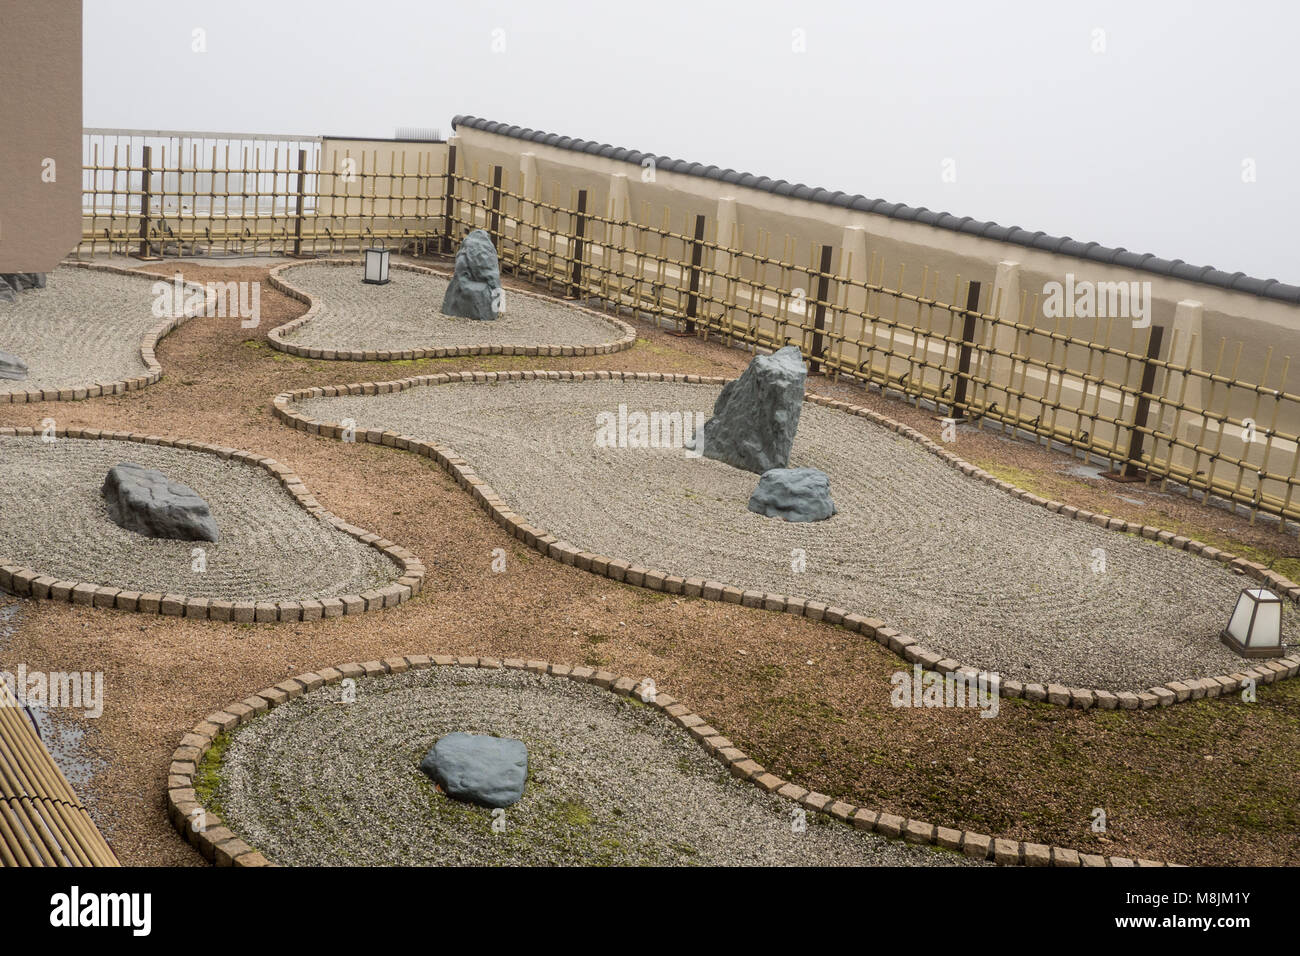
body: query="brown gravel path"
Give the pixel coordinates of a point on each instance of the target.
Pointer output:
(1207, 782)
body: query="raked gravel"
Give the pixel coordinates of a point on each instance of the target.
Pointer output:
(969, 570)
(320, 782)
(83, 327)
(53, 519)
(404, 314)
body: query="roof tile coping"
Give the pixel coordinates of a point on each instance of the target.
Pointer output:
(22, 581)
(198, 823)
(1013, 235)
(276, 336)
(148, 345)
(901, 645)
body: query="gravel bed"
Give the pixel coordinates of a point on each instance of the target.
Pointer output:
(319, 782)
(83, 327)
(53, 519)
(969, 570)
(404, 315)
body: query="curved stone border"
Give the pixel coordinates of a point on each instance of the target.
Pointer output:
(26, 582)
(1264, 672)
(148, 344)
(222, 846)
(276, 335)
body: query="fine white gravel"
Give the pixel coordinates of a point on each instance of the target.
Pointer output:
(970, 571)
(53, 520)
(83, 327)
(404, 314)
(321, 782)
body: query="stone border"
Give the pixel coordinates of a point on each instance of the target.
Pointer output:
(912, 651)
(222, 846)
(26, 582)
(276, 335)
(148, 344)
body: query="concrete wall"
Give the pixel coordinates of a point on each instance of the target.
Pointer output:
(1196, 317)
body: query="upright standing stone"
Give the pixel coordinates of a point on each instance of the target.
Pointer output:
(475, 288)
(486, 770)
(756, 415)
(147, 502)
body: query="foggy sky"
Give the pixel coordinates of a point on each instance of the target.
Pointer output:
(1140, 146)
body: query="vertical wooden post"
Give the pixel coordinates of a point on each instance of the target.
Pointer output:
(964, 353)
(819, 310)
(697, 257)
(494, 228)
(146, 200)
(1142, 409)
(298, 202)
(449, 212)
(576, 245)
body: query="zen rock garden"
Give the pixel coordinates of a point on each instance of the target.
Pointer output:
(753, 426)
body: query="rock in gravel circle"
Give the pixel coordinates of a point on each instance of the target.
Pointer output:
(756, 416)
(475, 288)
(795, 494)
(146, 501)
(12, 367)
(490, 771)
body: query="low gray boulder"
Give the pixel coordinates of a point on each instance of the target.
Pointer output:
(22, 281)
(475, 288)
(794, 494)
(12, 367)
(147, 502)
(756, 415)
(490, 771)
(8, 292)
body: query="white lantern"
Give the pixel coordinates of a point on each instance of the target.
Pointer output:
(376, 265)
(1255, 628)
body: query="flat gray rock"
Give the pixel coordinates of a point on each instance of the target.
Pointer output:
(756, 415)
(490, 771)
(12, 367)
(475, 288)
(147, 502)
(794, 494)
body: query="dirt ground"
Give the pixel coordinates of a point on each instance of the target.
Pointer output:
(1199, 783)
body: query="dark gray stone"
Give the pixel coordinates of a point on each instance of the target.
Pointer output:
(147, 502)
(756, 415)
(8, 292)
(475, 288)
(490, 771)
(22, 281)
(12, 367)
(795, 494)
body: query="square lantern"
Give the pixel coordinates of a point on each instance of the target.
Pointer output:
(376, 266)
(1255, 628)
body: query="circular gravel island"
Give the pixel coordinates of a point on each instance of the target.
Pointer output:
(968, 570)
(351, 319)
(54, 520)
(87, 326)
(318, 781)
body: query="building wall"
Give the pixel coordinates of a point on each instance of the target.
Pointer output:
(40, 123)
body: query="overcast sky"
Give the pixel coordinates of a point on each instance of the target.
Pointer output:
(1129, 124)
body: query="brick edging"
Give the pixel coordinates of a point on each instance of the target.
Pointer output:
(911, 650)
(276, 335)
(219, 844)
(148, 344)
(27, 582)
